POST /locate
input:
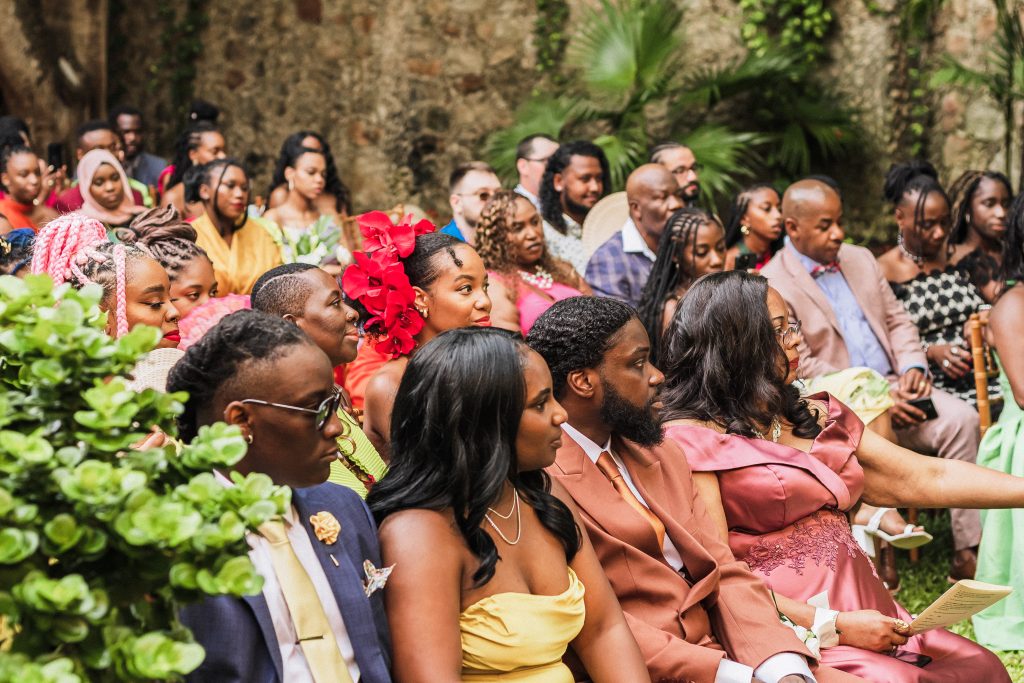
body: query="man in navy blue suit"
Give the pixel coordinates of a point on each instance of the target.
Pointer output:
(313, 620)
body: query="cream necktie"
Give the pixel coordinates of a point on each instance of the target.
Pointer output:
(311, 626)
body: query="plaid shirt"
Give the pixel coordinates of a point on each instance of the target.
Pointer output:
(619, 268)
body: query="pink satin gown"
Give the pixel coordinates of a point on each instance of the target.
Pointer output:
(786, 514)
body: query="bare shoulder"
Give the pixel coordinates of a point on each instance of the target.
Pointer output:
(386, 380)
(1009, 310)
(892, 265)
(419, 526)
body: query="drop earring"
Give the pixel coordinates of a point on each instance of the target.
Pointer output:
(424, 313)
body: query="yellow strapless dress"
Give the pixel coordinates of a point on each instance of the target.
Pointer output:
(521, 637)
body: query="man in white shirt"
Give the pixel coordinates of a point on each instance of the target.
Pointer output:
(532, 154)
(696, 612)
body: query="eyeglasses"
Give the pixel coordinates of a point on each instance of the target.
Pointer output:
(323, 412)
(482, 195)
(787, 335)
(696, 168)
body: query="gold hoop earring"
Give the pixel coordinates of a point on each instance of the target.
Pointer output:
(745, 229)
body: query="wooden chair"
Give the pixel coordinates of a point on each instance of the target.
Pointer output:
(984, 366)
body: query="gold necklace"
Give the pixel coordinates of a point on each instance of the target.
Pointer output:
(776, 431)
(519, 520)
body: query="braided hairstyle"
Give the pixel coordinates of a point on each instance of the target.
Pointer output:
(218, 361)
(669, 272)
(188, 141)
(292, 149)
(203, 174)
(733, 228)
(550, 198)
(74, 248)
(453, 434)
(903, 180)
(492, 243)
(161, 233)
(962, 192)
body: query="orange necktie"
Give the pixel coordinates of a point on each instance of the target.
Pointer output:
(611, 471)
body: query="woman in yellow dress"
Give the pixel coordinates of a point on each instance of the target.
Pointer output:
(240, 246)
(492, 579)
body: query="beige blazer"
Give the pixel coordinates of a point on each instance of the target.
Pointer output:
(681, 624)
(824, 350)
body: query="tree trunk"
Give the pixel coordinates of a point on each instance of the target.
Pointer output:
(53, 64)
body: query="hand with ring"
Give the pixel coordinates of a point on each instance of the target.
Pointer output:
(951, 359)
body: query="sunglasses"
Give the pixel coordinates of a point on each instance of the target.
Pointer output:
(323, 412)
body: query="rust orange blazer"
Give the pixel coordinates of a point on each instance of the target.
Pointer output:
(681, 625)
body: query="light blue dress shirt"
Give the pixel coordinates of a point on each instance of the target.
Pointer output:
(861, 343)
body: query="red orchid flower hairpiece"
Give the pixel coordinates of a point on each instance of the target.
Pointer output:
(377, 280)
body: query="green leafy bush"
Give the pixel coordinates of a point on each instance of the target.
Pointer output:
(101, 544)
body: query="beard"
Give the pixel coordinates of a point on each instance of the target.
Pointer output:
(691, 193)
(635, 423)
(572, 208)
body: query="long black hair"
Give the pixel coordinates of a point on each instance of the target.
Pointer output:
(1012, 267)
(187, 142)
(740, 204)
(220, 357)
(723, 362)
(669, 271)
(962, 193)
(550, 198)
(292, 149)
(909, 177)
(453, 436)
(203, 175)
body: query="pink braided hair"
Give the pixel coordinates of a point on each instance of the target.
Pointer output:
(69, 242)
(60, 241)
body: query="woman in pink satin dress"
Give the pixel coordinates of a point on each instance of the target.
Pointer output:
(780, 474)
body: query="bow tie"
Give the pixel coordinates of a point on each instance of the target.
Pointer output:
(832, 267)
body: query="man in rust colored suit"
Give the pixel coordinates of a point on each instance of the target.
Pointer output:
(697, 613)
(851, 318)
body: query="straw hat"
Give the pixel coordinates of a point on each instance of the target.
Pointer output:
(604, 220)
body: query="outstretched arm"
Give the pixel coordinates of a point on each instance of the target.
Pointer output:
(897, 477)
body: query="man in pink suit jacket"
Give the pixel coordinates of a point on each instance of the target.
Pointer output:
(851, 318)
(697, 613)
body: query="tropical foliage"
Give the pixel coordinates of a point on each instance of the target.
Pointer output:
(1003, 79)
(633, 85)
(100, 543)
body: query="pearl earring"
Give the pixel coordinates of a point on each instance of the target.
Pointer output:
(745, 229)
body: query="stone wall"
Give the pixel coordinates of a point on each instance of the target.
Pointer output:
(405, 90)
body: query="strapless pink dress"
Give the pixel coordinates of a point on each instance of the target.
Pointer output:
(786, 515)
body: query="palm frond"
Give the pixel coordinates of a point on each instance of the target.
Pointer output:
(625, 149)
(546, 114)
(625, 46)
(727, 156)
(707, 86)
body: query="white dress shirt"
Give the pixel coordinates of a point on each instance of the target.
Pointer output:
(534, 199)
(633, 242)
(294, 666)
(772, 669)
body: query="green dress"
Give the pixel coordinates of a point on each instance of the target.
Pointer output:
(359, 466)
(1001, 555)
